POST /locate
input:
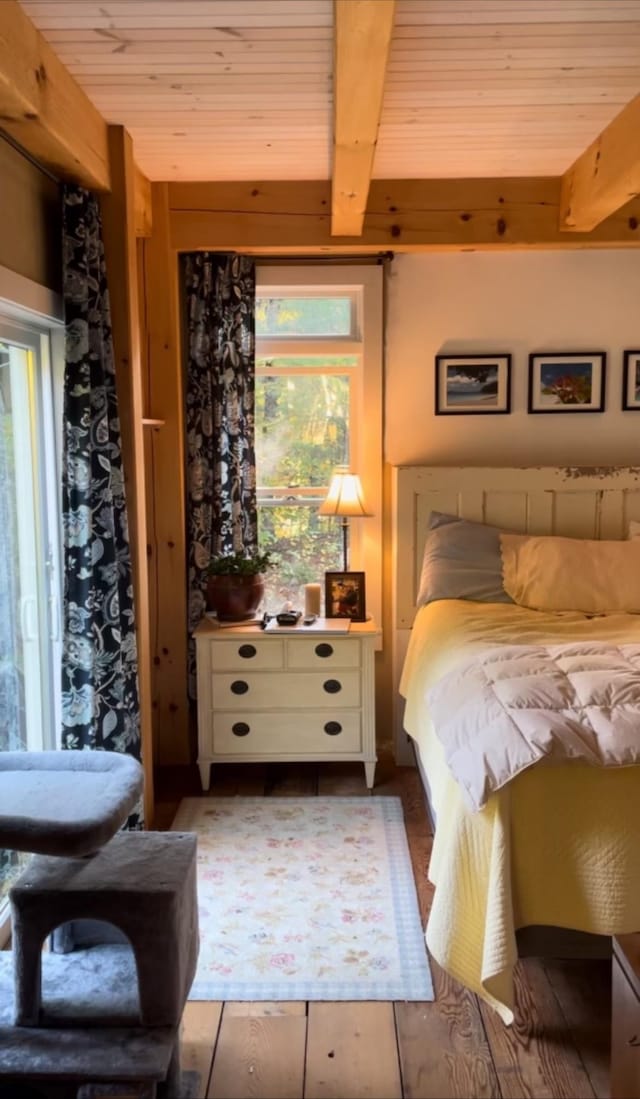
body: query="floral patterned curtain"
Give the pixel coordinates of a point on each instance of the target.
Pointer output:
(220, 395)
(99, 664)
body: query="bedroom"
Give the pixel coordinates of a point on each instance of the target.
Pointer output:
(499, 300)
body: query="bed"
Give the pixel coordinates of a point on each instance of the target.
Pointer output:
(558, 844)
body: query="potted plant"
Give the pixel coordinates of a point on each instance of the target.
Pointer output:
(236, 586)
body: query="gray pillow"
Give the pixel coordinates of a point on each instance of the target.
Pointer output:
(461, 561)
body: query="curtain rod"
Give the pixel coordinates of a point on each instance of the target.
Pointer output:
(364, 257)
(379, 258)
(27, 156)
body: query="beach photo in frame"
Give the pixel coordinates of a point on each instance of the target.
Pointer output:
(631, 381)
(567, 381)
(472, 384)
(345, 596)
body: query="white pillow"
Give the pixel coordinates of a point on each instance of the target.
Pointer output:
(634, 529)
(571, 574)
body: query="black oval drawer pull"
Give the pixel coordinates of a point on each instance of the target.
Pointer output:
(324, 649)
(240, 729)
(247, 651)
(332, 728)
(239, 687)
(332, 686)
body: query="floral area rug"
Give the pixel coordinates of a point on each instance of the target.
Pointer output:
(305, 899)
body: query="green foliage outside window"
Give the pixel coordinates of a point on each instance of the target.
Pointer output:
(302, 434)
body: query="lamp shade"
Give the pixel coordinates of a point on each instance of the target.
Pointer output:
(344, 496)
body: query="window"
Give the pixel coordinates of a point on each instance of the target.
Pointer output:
(318, 367)
(30, 597)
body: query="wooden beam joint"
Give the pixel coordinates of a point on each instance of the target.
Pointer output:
(606, 176)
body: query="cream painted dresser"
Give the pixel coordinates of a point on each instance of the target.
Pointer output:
(303, 693)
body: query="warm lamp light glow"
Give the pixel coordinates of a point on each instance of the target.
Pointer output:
(344, 498)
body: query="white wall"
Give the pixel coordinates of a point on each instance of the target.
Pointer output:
(516, 302)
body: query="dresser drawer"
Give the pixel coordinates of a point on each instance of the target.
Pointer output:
(247, 653)
(322, 653)
(285, 690)
(287, 732)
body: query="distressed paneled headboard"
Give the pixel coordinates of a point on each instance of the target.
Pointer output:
(579, 502)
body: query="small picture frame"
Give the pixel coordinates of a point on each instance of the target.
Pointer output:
(631, 381)
(344, 595)
(473, 384)
(567, 381)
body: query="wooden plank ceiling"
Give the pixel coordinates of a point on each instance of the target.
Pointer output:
(242, 89)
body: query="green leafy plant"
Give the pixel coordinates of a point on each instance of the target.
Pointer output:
(239, 564)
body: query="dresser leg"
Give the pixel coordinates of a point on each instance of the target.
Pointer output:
(205, 774)
(369, 772)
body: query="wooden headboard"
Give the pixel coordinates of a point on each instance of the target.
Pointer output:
(577, 502)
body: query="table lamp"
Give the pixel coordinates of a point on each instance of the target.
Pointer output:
(345, 499)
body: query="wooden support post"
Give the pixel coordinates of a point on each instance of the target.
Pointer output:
(166, 490)
(118, 215)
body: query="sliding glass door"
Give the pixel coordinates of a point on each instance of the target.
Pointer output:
(30, 630)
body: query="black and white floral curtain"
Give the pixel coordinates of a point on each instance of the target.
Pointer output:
(220, 399)
(100, 708)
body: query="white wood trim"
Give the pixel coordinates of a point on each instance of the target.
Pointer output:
(26, 300)
(21, 372)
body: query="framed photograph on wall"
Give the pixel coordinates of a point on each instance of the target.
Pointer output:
(344, 596)
(472, 384)
(567, 381)
(631, 381)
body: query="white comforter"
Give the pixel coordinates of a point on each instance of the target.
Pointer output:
(511, 706)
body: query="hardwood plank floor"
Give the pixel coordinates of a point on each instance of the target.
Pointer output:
(453, 1048)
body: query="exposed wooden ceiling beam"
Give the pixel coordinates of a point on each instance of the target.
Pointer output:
(291, 218)
(44, 109)
(361, 50)
(605, 176)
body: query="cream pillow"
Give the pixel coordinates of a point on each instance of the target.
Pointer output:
(571, 574)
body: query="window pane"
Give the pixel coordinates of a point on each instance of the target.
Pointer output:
(13, 728)
(302, 429)
(26, 582)
(297, 362)
(305, 545)
(308, 316)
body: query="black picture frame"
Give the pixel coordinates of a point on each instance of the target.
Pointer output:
(344, 596)
(567, 381)
(463, 387)
(631, 382)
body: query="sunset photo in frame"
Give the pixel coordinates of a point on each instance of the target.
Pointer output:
(344, 596)
(472, 384)
(631, 381)
(567, 381)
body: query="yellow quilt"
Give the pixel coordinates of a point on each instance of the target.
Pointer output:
(560, 845)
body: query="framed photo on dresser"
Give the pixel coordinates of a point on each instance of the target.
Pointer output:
(345, 596)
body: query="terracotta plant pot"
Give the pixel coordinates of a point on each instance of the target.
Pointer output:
(234, 597)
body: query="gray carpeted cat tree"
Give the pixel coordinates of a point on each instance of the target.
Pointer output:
(109, 1012)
